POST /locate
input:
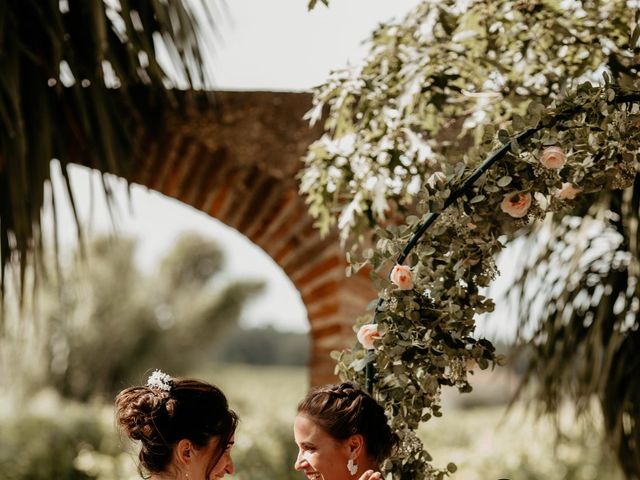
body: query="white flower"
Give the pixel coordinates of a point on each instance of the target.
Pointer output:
(160, 381)
(347, 217)
(437, 178)
(379, 203)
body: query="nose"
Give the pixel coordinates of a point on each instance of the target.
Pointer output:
(230, 468)
(300, 460)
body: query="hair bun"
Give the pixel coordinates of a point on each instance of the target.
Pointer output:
(170, 406)
(136, 409)
(165, 410)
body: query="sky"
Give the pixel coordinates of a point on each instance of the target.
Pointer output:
(274, 45)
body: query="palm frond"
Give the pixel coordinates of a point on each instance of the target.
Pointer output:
(61, 65)
(577, 299)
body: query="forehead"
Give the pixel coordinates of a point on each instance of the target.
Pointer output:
(214, 442)
(306, 430)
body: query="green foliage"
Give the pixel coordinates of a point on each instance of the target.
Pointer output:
(105, 323)
(43, 441)
(442, 81)
(452, 85)
(488, 443)
(262, 346)
(91, 66)
(582, 322)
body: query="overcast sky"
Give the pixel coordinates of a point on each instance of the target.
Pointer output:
(274, 45)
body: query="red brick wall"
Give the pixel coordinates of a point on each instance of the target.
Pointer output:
(237, 161)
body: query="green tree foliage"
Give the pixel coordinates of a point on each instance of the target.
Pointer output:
(103, 323)
(263, 346)
(454, 86)
(79, 76)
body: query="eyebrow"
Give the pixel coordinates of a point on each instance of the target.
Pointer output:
(307, 444)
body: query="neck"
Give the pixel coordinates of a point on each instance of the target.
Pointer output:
(367, 464)
(165, 476)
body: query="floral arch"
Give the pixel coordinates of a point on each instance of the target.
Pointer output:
(471, 123)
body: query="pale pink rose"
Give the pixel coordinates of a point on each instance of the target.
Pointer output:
(553, 157)
(568, 191)
(402, 277)
(367, 334)
(436, 178)
(516, 204)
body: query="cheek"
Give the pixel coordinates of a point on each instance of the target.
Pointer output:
(222, 464)
(327, 463)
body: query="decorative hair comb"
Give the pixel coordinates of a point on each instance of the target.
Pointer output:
(160, 381)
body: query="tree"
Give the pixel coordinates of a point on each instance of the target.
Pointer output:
(104, 324)
(467, 123)
(102, 68)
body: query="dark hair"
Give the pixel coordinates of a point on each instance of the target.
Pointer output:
(159, 418)
(345, 409)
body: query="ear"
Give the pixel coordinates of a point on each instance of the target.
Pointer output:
(184, 451)
(355, 444)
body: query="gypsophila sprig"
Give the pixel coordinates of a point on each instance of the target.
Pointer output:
(452, 85)
(159, 380)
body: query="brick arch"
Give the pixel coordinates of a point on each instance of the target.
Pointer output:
(237, 161)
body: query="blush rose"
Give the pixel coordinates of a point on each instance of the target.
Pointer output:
(367, 335)
(568, 191)
(402, 277)
(516, 204)
(553, 157)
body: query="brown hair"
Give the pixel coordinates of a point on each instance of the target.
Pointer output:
(345, 409)
(160, 417)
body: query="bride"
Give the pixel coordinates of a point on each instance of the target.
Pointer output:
(185, 428)
(342, 433)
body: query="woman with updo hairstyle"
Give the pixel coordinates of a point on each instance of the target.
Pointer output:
(342, 434)
(185, 428)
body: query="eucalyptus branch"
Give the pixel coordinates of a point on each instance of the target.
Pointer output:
(469, 183)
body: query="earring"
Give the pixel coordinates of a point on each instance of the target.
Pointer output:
(352, 467)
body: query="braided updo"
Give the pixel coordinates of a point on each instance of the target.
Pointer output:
(160, 417)
(343, 410)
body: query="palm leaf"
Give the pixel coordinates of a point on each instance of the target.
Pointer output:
(107, 49)
(577, 301)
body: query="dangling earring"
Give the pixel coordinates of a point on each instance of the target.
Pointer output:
(352, 467)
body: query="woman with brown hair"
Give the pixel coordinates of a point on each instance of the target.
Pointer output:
(342, 434)
(185, 428)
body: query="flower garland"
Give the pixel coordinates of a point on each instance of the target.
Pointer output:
(436, 215)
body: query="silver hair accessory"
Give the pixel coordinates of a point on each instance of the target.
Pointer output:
(160, 381)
